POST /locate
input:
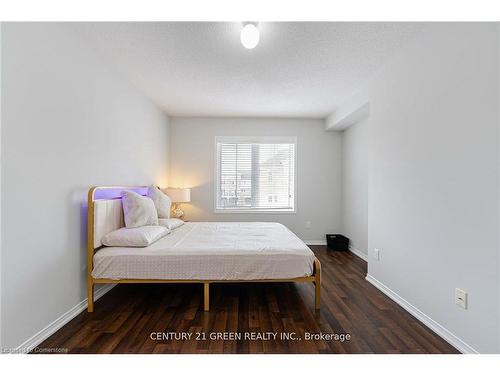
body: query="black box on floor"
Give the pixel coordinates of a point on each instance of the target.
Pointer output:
(337, 242)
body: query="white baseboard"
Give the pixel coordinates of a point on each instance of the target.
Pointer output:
(453, 340)
(315, 242)
(358, 253)
(53, 327)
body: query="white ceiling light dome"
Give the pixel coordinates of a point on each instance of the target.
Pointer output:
(250, 35)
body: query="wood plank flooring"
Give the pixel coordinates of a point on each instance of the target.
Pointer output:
(126, 317)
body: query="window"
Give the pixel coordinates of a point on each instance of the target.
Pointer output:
(255, 174)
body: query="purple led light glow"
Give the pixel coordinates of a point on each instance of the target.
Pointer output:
(117, 193)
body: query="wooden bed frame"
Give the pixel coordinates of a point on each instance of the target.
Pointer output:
(315, 278)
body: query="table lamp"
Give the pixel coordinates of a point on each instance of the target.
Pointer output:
(177, 196)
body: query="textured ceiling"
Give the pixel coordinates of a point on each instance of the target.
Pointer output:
(201, 69)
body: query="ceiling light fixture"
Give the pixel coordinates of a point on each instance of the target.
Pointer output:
(250, 35)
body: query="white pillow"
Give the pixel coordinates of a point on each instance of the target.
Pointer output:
(138, 210)
(161, 200)
(170, 223)
(135, 237)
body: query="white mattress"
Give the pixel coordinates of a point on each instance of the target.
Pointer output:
(211, 251)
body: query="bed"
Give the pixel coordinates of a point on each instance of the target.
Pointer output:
(196, 252)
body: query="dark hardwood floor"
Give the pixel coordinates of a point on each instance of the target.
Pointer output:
(125, 318)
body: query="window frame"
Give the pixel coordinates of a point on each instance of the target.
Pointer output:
(254, 139)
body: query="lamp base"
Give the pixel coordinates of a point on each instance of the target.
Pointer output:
(177, 212)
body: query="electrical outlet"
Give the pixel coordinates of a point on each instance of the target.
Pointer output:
(376, 254)
(308, 224)
(461, 298)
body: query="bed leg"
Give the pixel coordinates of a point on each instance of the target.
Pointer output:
(206, 296)
(90, 295)
(317, 284)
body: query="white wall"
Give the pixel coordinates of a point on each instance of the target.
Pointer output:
(498, 108)
(192, 152)
(1, 26)
(68, 122)
(355, 185)
(434, 178)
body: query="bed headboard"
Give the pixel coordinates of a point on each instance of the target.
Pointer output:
(105, 212)
(108, 216)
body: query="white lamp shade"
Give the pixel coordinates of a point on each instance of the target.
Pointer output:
(178, 195)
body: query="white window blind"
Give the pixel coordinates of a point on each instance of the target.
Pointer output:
(255, 174)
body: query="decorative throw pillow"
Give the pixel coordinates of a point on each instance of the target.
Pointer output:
(170, 223)
(138, 210)
(135, 237)
(161, 200)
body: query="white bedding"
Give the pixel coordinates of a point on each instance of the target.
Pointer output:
(211, 251)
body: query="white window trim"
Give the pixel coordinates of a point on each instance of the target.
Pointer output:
(255, 139)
